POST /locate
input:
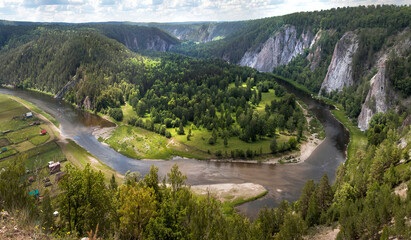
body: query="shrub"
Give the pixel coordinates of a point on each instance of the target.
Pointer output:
(116, 113)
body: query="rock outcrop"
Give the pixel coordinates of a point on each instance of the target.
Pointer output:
(376, 100)
(155, 43)
(66, 87)
(340, 69)
(277, 50)
(87, 103)
(381, 98)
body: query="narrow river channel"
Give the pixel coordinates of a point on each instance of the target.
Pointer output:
(283, 182)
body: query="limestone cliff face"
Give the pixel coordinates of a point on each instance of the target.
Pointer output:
(381, 97)
(277, 50)
(154, 42)
(315, 57)
(340, 69)
(376, 100)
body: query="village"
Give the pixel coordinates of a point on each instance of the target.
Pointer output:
(26, 137)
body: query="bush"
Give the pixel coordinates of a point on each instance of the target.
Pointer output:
(292, 142)
(218, 153)
(211, 141)
(116, 113)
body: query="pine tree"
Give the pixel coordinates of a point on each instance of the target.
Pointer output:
(273, 145)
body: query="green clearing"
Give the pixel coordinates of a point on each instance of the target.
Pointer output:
(53, 153)
(266, 98)
(37, 110)
(128, 112)
(23, 134)
(24, 146)
(4, 142)
(10, 109)
(10, 151)
(139, 143)
(39, 139)
(200, 137)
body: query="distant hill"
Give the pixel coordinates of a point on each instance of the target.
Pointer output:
(134, 37)
(201, 32)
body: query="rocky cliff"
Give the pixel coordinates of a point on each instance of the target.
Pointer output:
(339, 72)
(376, 100)
(153, 42)
(381, 97)
(139, 37)
(277, 50)
(201, 32)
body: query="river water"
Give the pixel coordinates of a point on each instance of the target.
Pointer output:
(283, 182)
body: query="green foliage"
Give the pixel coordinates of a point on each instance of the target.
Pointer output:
(13, 188)
(85, 200)
(273, 145)
(398, 71)
(116, 113)
(47, 218)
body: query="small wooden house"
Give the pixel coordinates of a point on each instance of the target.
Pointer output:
(43, 132)
(54, 167)
(4, 149)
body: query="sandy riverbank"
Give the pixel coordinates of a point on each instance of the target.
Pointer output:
(230, 191)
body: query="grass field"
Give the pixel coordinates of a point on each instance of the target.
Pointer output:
(10, 151)
(266, 98)
(199, 140)
(139, 143)
(37, 110)
(9, 109)
(23, 134)
(4, 142)
(39, 139)
(51, 152)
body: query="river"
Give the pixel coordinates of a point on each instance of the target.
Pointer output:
(283, 182)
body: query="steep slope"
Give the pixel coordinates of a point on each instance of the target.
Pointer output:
(339, 73)
(134, 37)
(139, 37)
(200, 32)
(277, 50)
(331, 52)
(49, 61)
(382, 95)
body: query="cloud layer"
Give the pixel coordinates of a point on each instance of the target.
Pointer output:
(164, 10)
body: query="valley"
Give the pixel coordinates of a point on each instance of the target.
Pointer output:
(276, 128)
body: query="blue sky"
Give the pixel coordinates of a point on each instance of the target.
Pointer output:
(164, 10)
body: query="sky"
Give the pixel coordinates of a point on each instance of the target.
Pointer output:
(77, 11)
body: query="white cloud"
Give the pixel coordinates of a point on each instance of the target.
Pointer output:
(164, 10)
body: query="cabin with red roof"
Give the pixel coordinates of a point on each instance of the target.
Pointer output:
(43, 132)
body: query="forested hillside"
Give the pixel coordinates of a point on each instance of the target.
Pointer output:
(200, 32)
(166, 91)
(340, 53)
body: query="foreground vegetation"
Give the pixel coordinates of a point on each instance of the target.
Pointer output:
(362, 201)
